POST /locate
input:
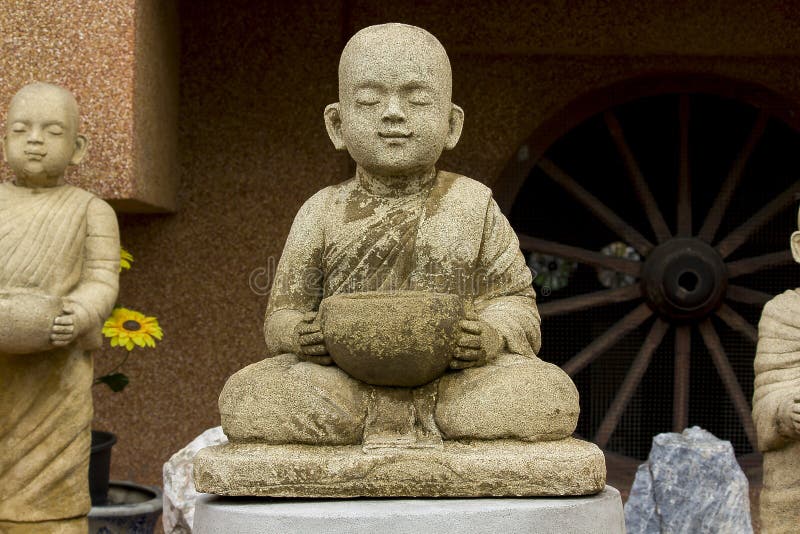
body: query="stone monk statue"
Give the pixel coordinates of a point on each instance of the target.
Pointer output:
(399, 226)
(59, 262)
(776, 407)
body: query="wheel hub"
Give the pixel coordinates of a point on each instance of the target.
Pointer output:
(684, 279)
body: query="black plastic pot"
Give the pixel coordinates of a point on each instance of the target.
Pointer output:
(100, 466)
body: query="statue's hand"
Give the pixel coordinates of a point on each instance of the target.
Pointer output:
(790, 416)
(73, 322)
(312, 344)
(478, 343)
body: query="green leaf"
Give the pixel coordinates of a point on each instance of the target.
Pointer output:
(115, 381)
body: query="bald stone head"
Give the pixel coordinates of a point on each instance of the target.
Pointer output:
(41, 138)
(412, 47)
(395, 115)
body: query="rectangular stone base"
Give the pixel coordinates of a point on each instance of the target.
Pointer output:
(458, 469)
(574, 515)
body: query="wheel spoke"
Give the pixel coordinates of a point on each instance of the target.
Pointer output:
(745, 295)
(631, 382)
(590, 300)
(680, 398)
(737, 322)
(581, 255)
(729, 380)
(714, 217)
(643, 192)
(607, 340)
(600, 210)
(736, 238)
(758, 263)
(684, 215)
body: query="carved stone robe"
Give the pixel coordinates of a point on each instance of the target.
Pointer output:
(448, 236)
(63, 242)
(777, 367)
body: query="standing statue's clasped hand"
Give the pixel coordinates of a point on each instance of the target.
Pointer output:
(478, 343)
(68, 326)
(789, 415)
(312, 343)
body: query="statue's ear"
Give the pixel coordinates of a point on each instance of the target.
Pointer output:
(333, 123)
(456, 125)
(4, 149)
(795, 240)
(81, 144)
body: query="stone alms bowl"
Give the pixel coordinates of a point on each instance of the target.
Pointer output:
(26, 320)
(402, 338)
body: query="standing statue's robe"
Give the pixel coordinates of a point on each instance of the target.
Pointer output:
(447, 236)
(64, 242)
(777, 367)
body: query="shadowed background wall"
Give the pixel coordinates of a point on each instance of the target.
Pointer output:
(254, 78)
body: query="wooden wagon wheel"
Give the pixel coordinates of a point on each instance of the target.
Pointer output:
(686, 277)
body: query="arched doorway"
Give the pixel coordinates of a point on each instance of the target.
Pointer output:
(657, 214)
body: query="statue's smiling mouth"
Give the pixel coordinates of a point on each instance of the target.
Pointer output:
(36, 156)
(395, 135)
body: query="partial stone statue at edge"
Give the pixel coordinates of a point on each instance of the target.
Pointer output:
(776, 407)
(59, 263)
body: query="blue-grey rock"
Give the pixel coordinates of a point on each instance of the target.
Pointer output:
(690, 483)
(640, 510)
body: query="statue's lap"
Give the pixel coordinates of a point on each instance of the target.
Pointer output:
(283, 400)
(296, 430)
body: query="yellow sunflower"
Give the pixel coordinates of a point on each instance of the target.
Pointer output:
(129, 328)
(125, 259)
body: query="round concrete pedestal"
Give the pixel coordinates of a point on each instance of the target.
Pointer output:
(547, 515)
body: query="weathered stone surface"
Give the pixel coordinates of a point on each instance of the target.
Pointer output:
(459, 469)
(179, 492)
(690, 483)
(361, 335)
(601, 513)
(58, 282)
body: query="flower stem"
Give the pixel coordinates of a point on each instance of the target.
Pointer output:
(120, 364)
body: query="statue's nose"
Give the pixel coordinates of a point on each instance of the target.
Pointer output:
(393, 111)
(35, 135)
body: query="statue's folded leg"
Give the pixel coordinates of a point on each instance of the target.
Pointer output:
(284, 400)
(512, 397)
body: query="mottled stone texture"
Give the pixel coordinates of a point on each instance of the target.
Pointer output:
(255, 78)
(468, 469)
(120, 58)
(690, 483)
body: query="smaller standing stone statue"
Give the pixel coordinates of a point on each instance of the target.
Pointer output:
(776, 407)
(59, 263)
(402, 325)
